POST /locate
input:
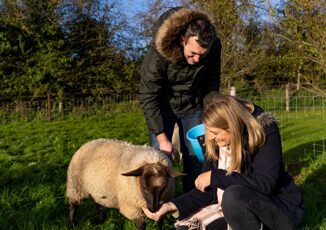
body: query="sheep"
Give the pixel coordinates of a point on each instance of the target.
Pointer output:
(120, 175)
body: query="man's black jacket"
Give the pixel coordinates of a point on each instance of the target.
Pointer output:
(168, 83)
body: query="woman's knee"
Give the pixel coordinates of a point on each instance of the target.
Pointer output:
(234, 197)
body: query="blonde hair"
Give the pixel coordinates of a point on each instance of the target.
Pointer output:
(233, 115)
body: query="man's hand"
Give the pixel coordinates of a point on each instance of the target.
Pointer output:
(165, 208)
(203, 180)
(165, 145)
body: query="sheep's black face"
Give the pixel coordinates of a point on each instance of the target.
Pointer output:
(154, 183)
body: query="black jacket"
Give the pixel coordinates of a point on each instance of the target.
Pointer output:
(167, 81)
(265, 174)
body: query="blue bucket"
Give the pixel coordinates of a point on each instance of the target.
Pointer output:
(192, 136)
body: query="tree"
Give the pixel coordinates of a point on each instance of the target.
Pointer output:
(301, 27)
(57, 47)
(30, 40)
(94, 40)
(148, 20)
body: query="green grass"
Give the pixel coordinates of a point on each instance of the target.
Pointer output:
(304, 147)
(34, 157)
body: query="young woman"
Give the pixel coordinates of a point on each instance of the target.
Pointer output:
(243, 174)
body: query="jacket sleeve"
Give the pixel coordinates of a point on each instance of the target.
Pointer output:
(212, 83)
(267, 163)
(192, 201)
(150, 88)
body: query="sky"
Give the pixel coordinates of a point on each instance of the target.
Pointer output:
(131, 7)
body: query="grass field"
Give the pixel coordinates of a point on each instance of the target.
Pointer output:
(34, 157)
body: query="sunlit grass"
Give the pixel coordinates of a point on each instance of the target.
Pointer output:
(34, 157)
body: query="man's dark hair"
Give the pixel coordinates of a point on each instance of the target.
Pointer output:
(202, 29)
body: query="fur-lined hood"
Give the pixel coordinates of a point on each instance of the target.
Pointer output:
(167, 37)
(266, 119)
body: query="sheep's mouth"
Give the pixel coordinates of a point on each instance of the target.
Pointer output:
(154, 208)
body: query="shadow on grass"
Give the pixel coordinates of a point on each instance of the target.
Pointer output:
(301, 164)
(33, 197)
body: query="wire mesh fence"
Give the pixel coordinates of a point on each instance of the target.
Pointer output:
(303, 111)
(291, 111)
(54, 108)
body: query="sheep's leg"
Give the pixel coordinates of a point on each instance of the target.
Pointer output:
(100, 213)
(140, 224)
(72, 213)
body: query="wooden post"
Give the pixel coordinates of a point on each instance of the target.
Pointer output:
(60, 105)
(287, 97)
(60, 100)
(298, 80)
(49, 107)
(233, 91)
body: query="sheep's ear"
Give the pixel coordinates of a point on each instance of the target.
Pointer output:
(136, 172)
(174, 173)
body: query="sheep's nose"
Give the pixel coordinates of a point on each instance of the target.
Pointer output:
(153, 208)
(153, 204)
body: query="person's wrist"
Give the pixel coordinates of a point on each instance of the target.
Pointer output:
(161, 138)
(172, 206)
(173, 209)
(165, 144)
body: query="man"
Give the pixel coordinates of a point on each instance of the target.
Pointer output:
(179, 73)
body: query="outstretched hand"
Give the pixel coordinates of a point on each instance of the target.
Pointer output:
(203, 180)
(165, 208)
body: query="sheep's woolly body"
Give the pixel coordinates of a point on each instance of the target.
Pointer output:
(95, 170)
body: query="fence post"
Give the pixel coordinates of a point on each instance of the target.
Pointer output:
(49, 107)
(298, 80)
(233, 91)
(287, 97)
(60, 106)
